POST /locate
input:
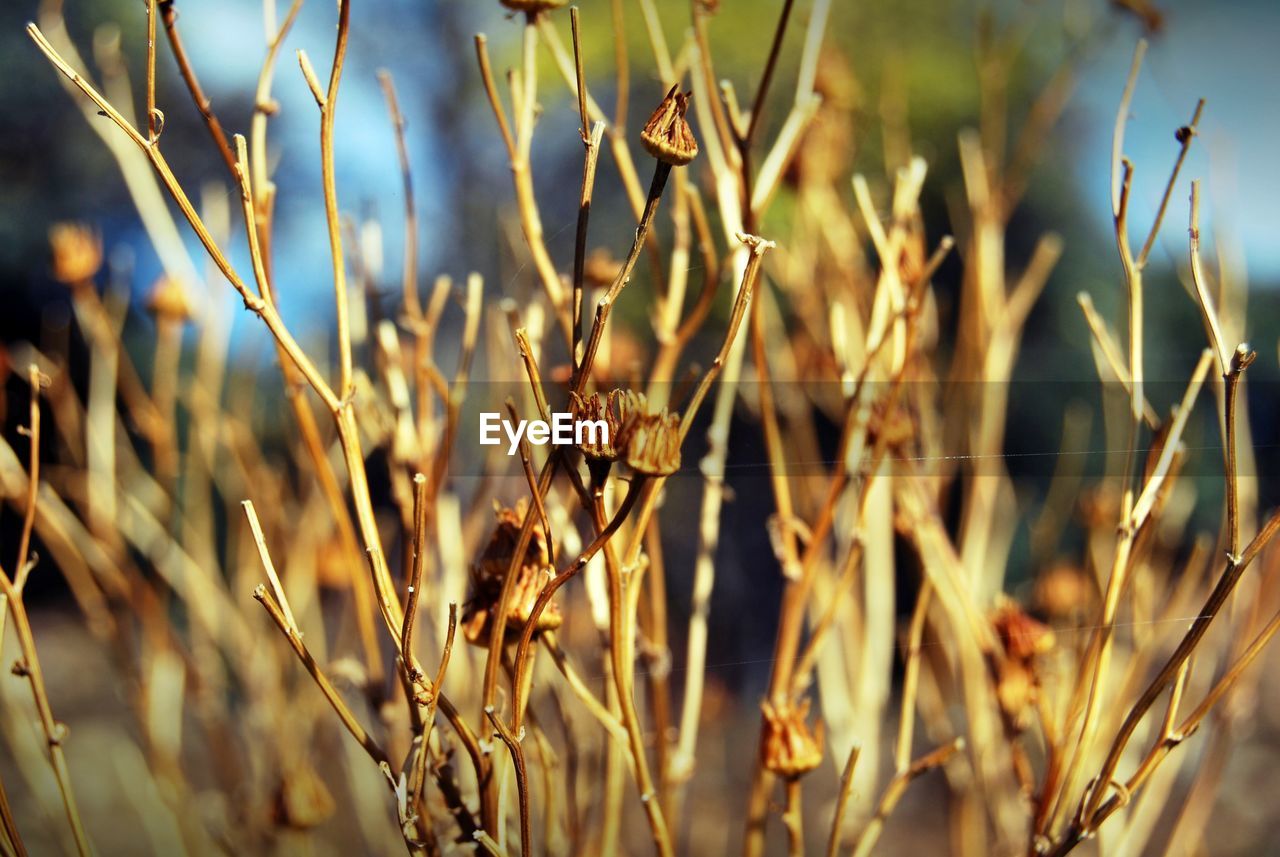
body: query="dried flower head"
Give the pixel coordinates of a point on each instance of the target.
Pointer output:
(600, 268)
(1099, 507)
(168, 300)
(302, 800)
(77, 253)
(1022, 639)
(497, 553)
(1063, 590)
(787, 746)
(531, 7)
(333, 568)
(651, 442)
(613, 409)
(667, 135)
(490, 571)
(896, 426)
(478, 614)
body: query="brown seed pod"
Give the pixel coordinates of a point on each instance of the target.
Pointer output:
(787, 746)
(302, 800)
(667, 135)
(1023, 639)
(533, 6)
(651, 443)
(600, 268)
(490, 571)
(613, 410)
(496, 556)
(478, 615)
(77, 253)
(1064, 590)
(168, 300)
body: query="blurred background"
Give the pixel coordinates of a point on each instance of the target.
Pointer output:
(910, 64)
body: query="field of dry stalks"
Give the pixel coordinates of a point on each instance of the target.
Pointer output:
(352, 629)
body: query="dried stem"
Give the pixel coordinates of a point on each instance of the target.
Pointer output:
(169, 17)
(522, 778)
(896, 789)
(54, 732)
(363, 738)
(1226, 584)
(328, 109)
(419, 548)
(842, 800)
(412, 306)
(26, 562)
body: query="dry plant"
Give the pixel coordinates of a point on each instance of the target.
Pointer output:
(442, 620)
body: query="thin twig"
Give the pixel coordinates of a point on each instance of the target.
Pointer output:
(522, 777)
(363, 738)
(897, 788)
(54, 732)
(26, 561)
(842, 800)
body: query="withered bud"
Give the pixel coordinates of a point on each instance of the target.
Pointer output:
(600, 268)
(334, 565)
(302, 800)
(667, 135)
(652, 442)
(533, 6)
(1063, 590)
(1015, 689)
(787, 746)
(168, 300)
(1022, 636)
(1145, 11)
(896, 426)
(1099, 508)
(490, 571)
(497, 553)
(1023, 639)
(613, 409)
(477, 616)
(77, 253)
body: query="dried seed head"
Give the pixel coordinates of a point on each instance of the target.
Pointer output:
(787, 746)
(77, 253)
(1023, 637)
(495, 559)
(302, 800)
(490, 571)
(1145, 11)
(667, 135)
(168, 300)
(897, 426)
(1099, 508)
(477, 616)
(533, 6)
(600, 268)
(333, 570)
(1064, 590)
(613, 410)
(1015, 689)
(651, 442)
